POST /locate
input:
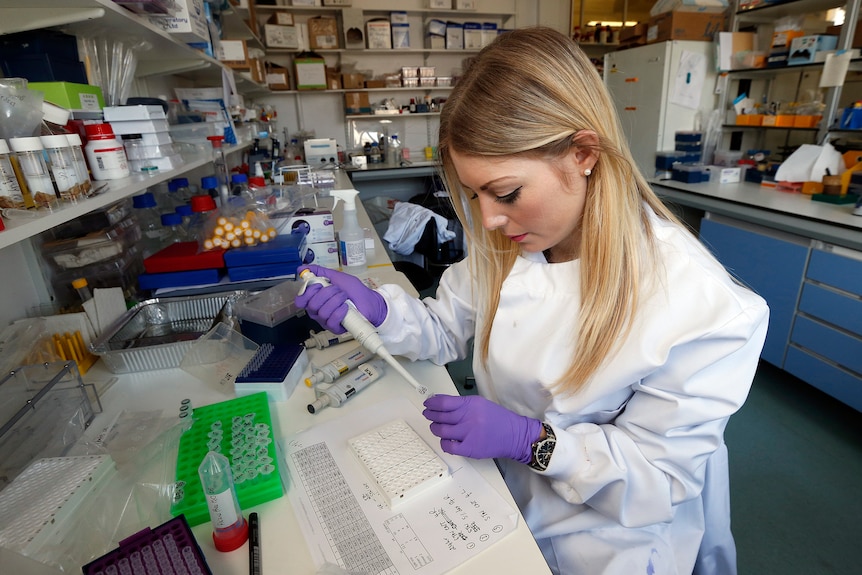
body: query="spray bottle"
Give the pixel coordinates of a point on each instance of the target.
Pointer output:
(351, 238)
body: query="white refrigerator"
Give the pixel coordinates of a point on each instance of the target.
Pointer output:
(658, 90)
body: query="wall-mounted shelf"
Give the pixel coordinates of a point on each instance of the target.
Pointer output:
(389, 116)
(165, 56)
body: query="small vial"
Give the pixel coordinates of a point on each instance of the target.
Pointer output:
(10, 190)
(80, 162)
(83, 289)
(230, 529)
(64, 169)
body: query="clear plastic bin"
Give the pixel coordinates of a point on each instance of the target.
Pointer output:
(96, 247)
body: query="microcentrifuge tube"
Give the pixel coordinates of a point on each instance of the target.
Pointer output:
(230, 529)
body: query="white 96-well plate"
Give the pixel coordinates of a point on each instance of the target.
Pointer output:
(401, 464)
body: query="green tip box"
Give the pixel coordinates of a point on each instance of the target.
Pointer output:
(70, 95)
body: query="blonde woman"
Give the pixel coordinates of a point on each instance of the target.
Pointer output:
(610, 347)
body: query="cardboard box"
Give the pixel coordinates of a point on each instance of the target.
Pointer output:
(634, 35)
(281, 19)
(188, 24)
(353, 81)
(439, 4)
(686, 25)
(233, 53)
(277, 78)
(732, 46)
(379, 34)
(310, 73)
(322, 33)
(333, 79)
(281, 36)
(356, 103)
(70, 95)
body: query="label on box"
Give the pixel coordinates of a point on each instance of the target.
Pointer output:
(323, 254)
(281, 36)
(89, 102)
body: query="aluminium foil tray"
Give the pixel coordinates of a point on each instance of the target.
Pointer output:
(157, 333)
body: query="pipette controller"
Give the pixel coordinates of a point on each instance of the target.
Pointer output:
(338, 367)
(340, 391)
(364, 332)
(325, 338)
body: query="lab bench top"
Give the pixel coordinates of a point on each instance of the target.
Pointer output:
(387, 170)
(283, 544)
(790, 212)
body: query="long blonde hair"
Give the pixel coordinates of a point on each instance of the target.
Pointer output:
(530, 93)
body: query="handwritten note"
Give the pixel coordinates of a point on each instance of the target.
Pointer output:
(346, 521)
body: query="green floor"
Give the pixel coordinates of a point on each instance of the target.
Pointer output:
(796, 477)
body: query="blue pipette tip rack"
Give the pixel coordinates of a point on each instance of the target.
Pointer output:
(271, 363)
(276, 368)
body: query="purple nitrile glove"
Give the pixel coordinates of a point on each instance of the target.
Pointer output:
(327, 304)
(475, 427)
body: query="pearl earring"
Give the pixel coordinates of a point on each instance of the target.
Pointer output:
(587, 172)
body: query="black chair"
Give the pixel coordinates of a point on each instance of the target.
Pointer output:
(439, 255)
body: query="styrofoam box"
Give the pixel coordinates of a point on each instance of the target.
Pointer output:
(139, 127)
(125, 113)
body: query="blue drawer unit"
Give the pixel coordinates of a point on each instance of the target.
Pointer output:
(837, 270)
(840, 384)
(771, 265)
(843, 348)
(836, 308)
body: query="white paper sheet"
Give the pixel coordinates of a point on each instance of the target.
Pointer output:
(835, 69)
(689, 81)
(347, 522)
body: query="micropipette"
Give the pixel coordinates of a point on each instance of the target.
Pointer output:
(364, 332)
(325, 338)
(338, 366)
(337, 393)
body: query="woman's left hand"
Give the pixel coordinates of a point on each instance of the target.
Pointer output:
(475, 427)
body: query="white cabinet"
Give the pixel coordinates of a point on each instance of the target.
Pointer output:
(648, 84)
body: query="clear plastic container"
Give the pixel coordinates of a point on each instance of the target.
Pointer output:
(153, 235)
(29, 153)
(10, 190)
(64, 168)
(77, 146)
(92, 248)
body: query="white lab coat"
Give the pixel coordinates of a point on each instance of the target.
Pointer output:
(638, 482)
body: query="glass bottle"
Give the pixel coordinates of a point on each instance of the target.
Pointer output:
(106, 155)
(221, 171)
(29, 153)
(153, 234)
(172, 222)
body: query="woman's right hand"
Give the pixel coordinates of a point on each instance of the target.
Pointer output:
(327, 305)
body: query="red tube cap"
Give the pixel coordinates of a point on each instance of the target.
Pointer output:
(231, 539)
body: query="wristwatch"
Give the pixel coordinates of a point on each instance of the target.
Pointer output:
(543, 449)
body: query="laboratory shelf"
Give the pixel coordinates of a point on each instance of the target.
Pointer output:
(389, 116)
(772, 12)
(32, 224)
(164, 56)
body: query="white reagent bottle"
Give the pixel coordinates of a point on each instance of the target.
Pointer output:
(351, 237)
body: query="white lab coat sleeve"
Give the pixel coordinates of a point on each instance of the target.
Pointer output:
(438, 329)
(653, 456)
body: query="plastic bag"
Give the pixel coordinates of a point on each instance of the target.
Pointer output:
(20, 109)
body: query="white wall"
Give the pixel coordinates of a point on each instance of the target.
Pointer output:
(323, 112)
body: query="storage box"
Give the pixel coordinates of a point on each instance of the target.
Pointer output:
(310, 73)
(465, 5)
(401, 36)
(356, 103)
(277, 36)
(803, 50)
(71, 96)
(353, 81)
(278, 78)
(233, 53)
(472, 35)
(316, 224)
(454, 36)
(353, 26)
(281, 18)
(489, 32)
(188, 24)
(685, 25)
(732, 47)
(379, 34)
(322, 33)
(43, 68)
(439, 4)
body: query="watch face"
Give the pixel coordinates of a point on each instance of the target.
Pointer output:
(543, 453)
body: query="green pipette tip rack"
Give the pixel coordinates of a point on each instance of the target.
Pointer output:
(241, 430)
